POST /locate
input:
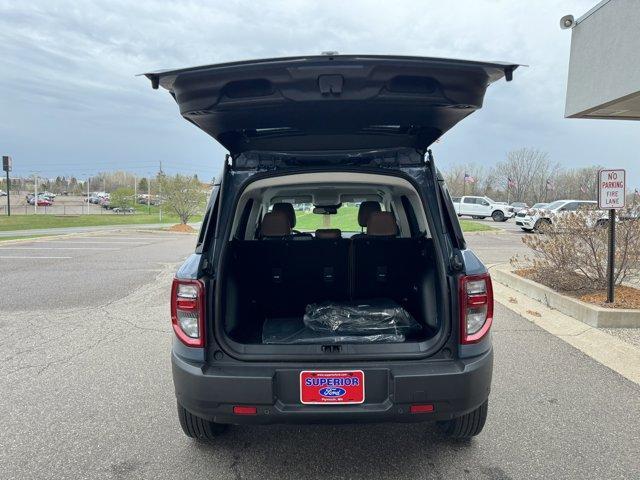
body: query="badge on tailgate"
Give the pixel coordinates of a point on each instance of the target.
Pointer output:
(339, 387)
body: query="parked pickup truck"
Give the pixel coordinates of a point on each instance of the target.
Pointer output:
(482, 207)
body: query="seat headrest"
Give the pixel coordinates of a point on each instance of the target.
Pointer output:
(328, 233)
(382, 224)
(275, 224)
(365, 211)
(286, 208)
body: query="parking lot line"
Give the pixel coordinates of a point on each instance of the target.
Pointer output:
(58, 248)
(34, 257)
(92, 242)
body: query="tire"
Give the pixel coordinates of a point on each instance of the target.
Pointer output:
(542, 225)
(498, 216)
(466, 426)
(199, 428)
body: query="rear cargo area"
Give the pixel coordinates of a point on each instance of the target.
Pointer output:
(352, 290)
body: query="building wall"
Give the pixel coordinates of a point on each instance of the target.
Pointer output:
(604, 67)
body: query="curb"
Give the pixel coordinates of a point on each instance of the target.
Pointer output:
(592, 315)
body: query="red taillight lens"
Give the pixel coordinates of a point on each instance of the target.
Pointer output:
(476, 307)
(187, 311)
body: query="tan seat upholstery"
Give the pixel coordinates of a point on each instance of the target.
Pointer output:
(274, 225)
(328, 233)
(382, 224)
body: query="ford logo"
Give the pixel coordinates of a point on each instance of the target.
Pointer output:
(332, 392)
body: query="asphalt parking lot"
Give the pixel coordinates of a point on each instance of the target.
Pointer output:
(86, 392)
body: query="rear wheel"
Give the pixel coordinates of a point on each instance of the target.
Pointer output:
(466, 426)
(498, 216)
(199, 428)
(542, 225)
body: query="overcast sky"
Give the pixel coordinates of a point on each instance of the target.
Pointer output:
(71, 103)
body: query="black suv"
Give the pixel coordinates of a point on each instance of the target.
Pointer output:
(331, 281)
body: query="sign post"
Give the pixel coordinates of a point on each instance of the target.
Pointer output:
(611, 196)
(6, 166)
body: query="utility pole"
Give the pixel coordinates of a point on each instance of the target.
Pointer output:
(35, 198)
(160, 192)
(6, 166)
(88, 183)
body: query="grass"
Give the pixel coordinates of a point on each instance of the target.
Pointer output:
(471, 226)
(347, 220)
(30, 222)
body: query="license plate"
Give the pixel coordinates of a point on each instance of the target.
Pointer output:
(337, 387)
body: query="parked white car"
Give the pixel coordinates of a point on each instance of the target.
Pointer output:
(535, 218)
(519, 207)
(482, 207)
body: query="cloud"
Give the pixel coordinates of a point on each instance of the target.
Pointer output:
(71, 102)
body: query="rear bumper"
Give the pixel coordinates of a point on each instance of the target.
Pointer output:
(454, 387)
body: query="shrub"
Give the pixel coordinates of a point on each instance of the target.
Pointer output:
(571, 254)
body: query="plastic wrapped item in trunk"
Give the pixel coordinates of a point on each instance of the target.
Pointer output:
(290, 331)
(364, 317)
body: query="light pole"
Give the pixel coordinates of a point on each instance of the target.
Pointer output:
(88, 182)
(35, 192)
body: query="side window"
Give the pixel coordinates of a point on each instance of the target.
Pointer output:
(484, 203)
(209, 222)
(469, 200)
(571, 207)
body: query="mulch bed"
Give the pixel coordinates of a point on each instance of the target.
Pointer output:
(625, 297)
(181, 228)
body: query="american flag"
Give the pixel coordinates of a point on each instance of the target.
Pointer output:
(550, 185)
(469, 179)
(511, 183)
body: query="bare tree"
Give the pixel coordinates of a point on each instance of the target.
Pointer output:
(532, 173)
(482, 181)
(182, 194)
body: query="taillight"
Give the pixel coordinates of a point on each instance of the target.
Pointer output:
(476, 307)
(187, 311)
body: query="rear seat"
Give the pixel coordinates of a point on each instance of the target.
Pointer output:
(286, 275)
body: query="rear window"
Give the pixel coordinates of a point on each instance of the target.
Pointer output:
(346, 218)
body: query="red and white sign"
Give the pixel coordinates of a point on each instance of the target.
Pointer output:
(611, 189)
(326, 388)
